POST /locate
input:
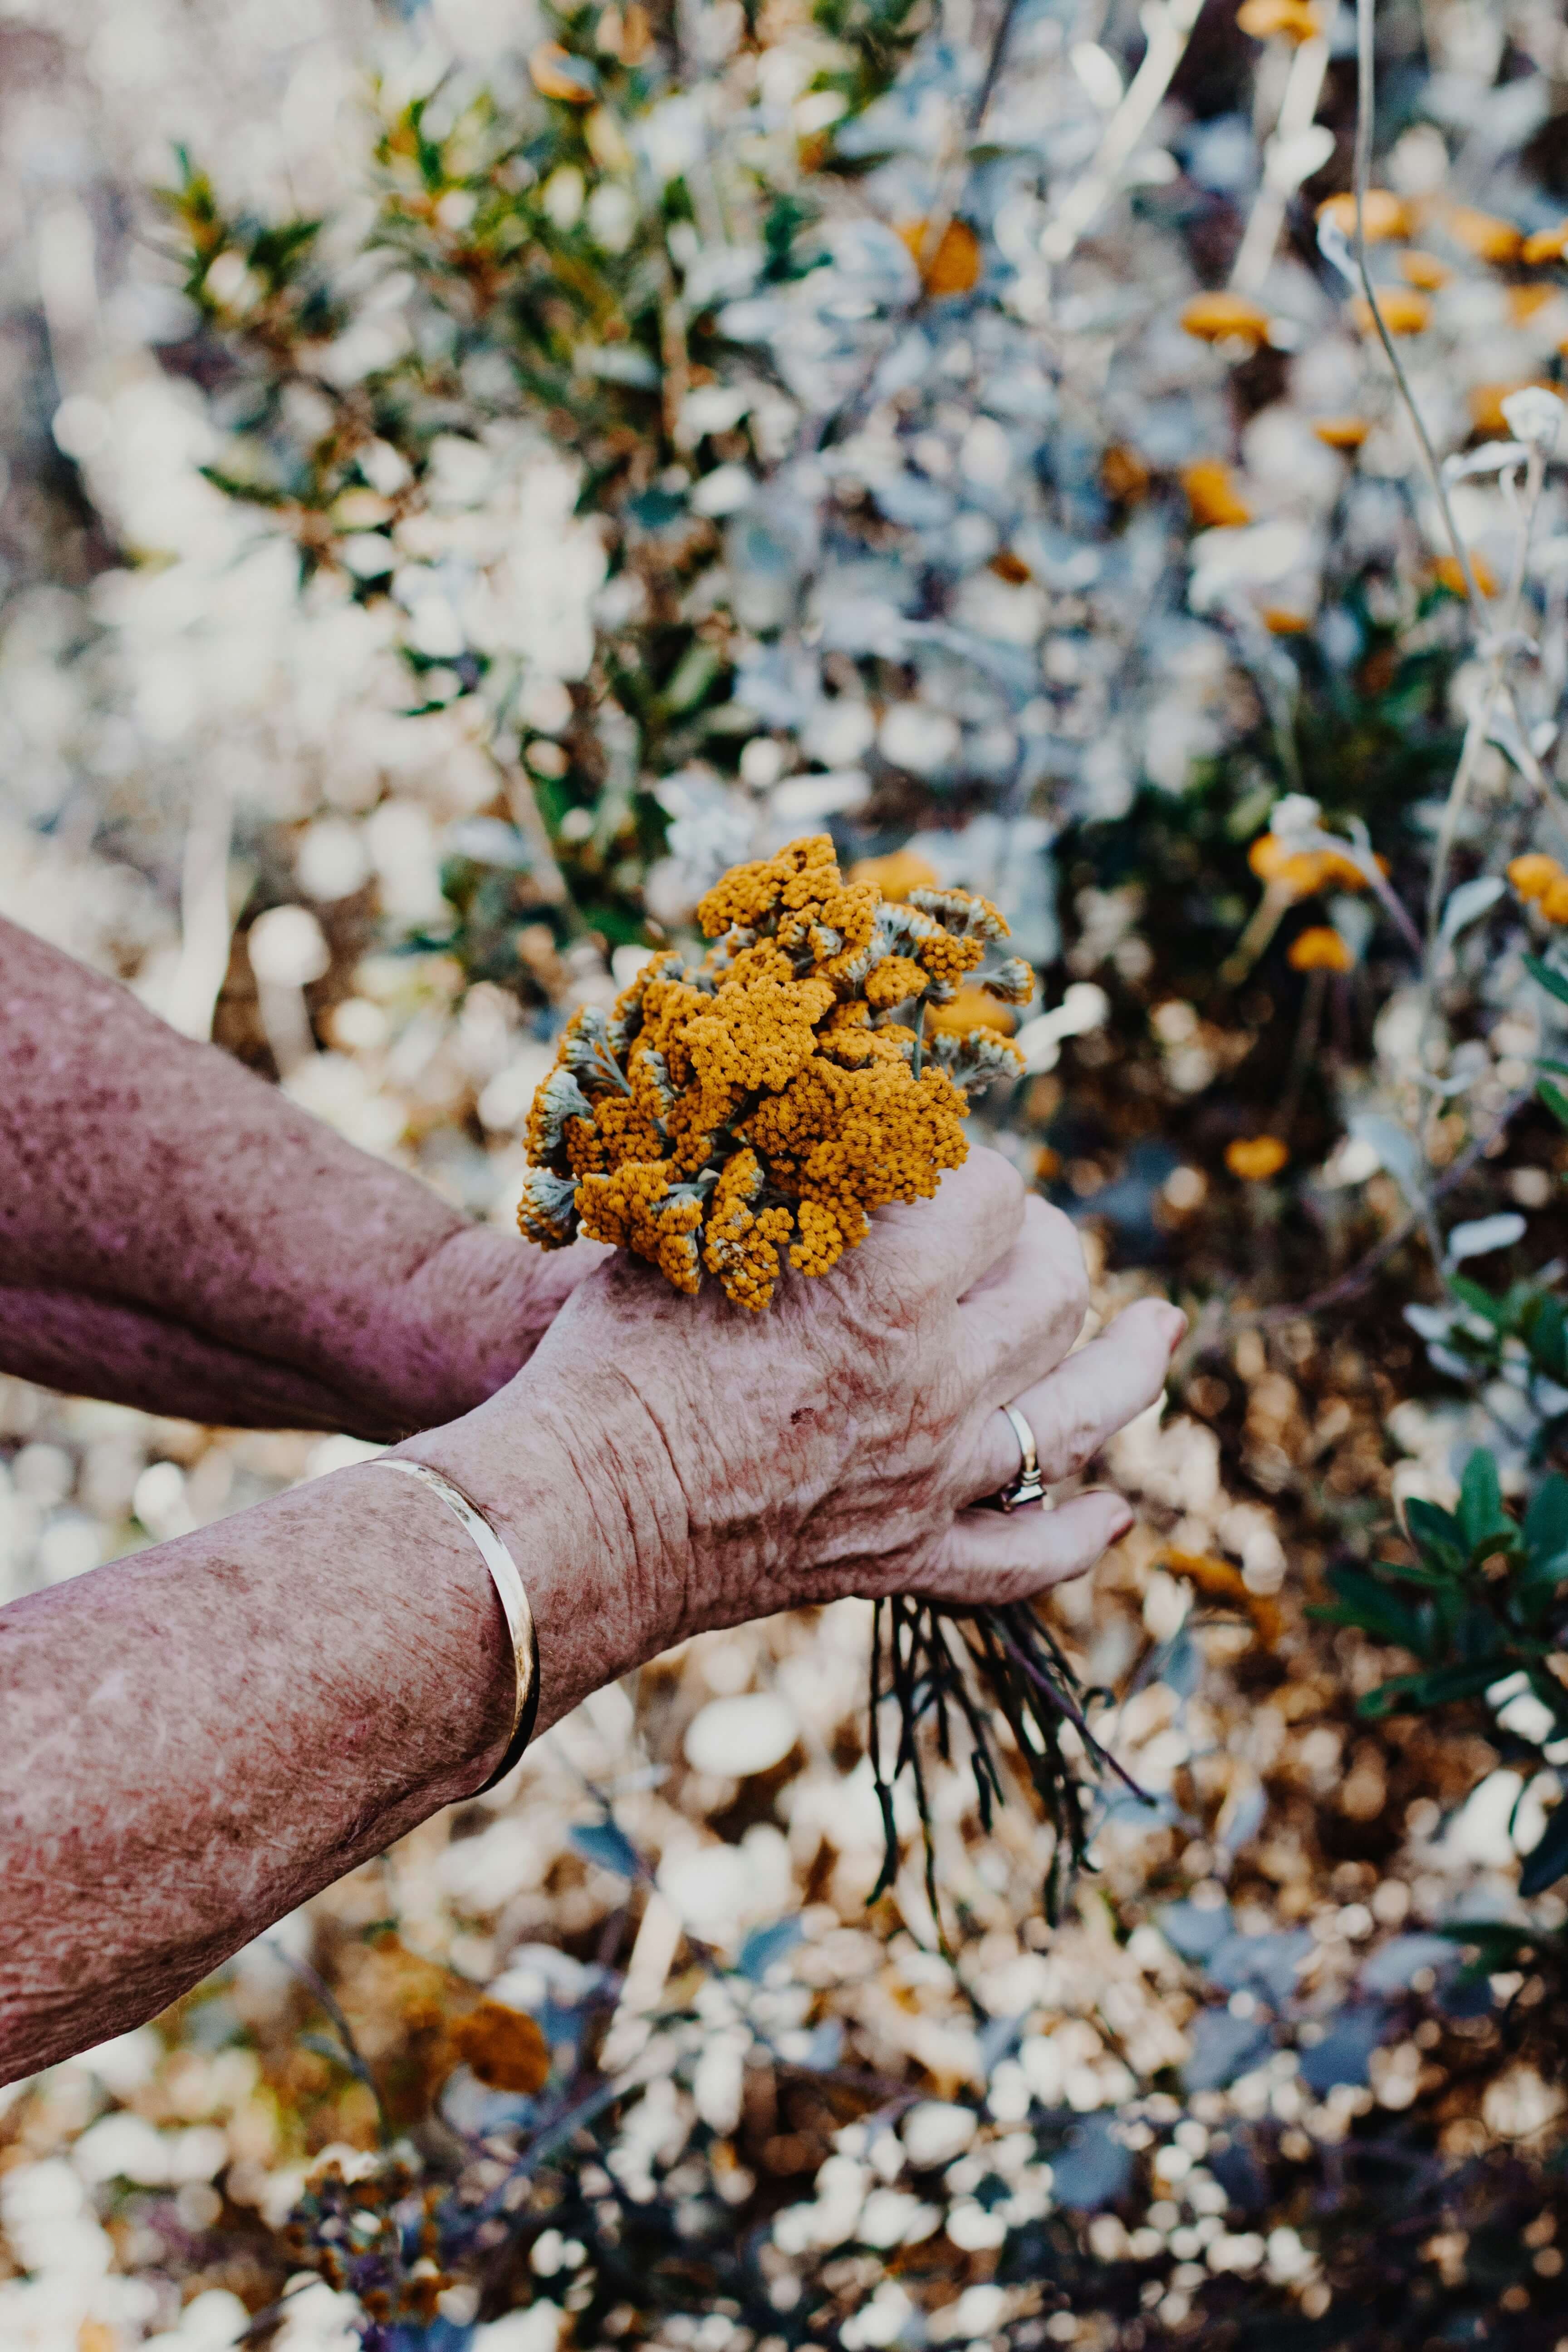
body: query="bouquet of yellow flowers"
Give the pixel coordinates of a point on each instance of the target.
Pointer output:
(761, 1103)
(756, 1106)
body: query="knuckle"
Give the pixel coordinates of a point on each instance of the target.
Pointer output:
(1063, 1250)
(1001, 1190)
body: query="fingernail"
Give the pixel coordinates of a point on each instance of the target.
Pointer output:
(1120, 1524)
(1175, 1327)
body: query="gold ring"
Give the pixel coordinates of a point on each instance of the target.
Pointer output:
(1027, 1485)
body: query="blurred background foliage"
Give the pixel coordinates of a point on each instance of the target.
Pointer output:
(471, 474)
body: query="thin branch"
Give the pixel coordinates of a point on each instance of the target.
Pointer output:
(354, 2057)
(1366, 108)
(1298, 112)
(1170, 29)
(1347, 1285)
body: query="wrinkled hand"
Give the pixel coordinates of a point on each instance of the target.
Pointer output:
(730, 1465)
(462, 1325)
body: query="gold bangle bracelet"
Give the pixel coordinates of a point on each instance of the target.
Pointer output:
(508, 1582)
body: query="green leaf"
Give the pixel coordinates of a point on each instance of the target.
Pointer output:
(1547, 1861)
(1467, 1679)
(1440, 1686)
(1485, 1302)
(1430, 1580)
(1544, 1326)
(1369, 1604)
(1553, 981)
(1436, 1531)
(1483, 1522)
(1554, 1099)
(1546, 1531)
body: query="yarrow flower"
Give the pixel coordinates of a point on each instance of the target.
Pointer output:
(761, 1103)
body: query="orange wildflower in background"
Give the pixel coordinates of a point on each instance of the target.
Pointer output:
(1404, 312)
(1301, 871)
(1213, 497)
(1449, 576)
(502, 2046)
(1293, 20)
(1534, 875)
(765, 1101)
(972, 1008)
(1217, 318)
(954, 263)
(1222, 1581)
(897, 875)
(1423, 270)
(1256, 1158)
(1485, 403)
(1384, 215)
(1539, 877)
(556, 73)
(1341, 432)
(1486, 234)
(1527, 302)
(1546, 244)
(1322, 949)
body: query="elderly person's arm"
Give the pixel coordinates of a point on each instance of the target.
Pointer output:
(176, 1234)
(199, 1736)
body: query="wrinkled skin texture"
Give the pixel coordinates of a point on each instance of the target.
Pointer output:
(739, 1465)
(178, 1235)
(199, 1737)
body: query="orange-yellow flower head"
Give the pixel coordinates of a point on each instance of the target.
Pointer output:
(762, 1103)
(1215, 502)
(1534, 874)
(1401, 308)
(1297, 873)
(1256, 1158)
(1319, 950)
(1384, 215)
(1291, 20)
(1223, 318)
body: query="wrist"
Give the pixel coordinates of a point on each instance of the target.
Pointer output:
(458, 1328)
(578, 1488)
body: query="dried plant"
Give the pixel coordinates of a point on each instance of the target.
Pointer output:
(770, 1098)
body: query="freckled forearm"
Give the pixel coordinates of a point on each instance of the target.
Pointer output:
(199, 1737)
(64, 1339)
(175, 1233)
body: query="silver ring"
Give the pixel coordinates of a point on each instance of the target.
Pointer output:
(1027, 1485)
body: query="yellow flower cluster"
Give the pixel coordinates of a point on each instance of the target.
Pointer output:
(1300, 872)
(762, 1103)
(1539, 877)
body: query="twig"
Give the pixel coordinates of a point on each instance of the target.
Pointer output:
(1476, 734)
(1170, 29)
(1366, 105)
(1298, 110)
(994, 64)
(952, 173)
(1360, 1273)
(354, 2057)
